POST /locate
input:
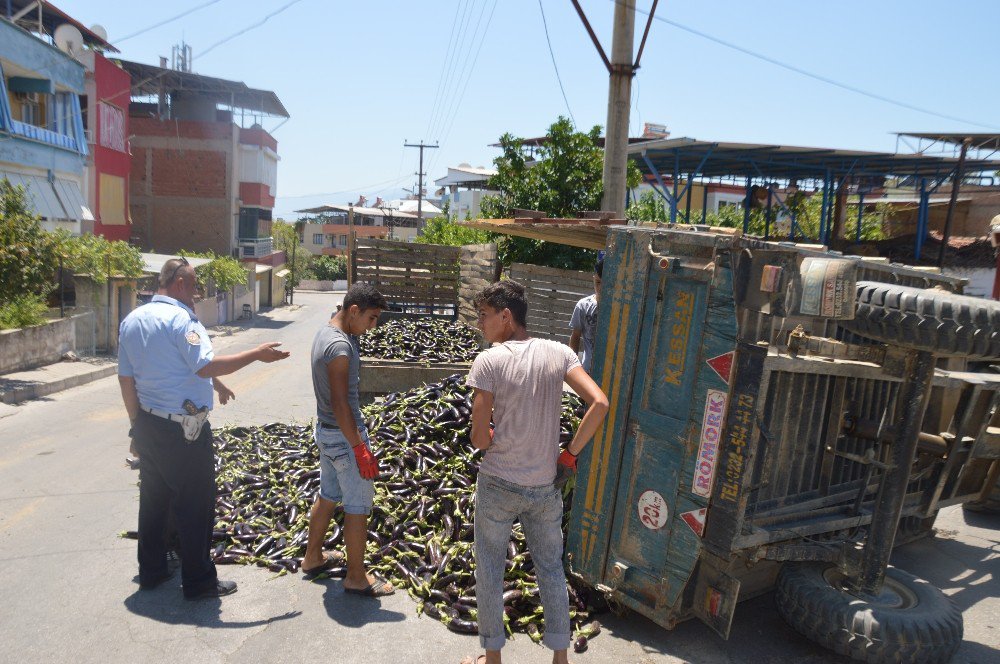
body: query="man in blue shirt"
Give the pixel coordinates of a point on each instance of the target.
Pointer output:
(584, 321)
(167, 372)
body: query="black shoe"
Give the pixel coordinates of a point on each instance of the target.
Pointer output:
(220, 589)
(173, 559)
(149, 585)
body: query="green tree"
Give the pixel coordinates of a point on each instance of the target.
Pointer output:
(223, 271)
(443, 230)
(29, 256)
(287, 238)
(649, 207)
(96, 256)
(326, 268)
(563, 180)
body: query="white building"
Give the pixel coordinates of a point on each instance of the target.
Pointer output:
(464, 188)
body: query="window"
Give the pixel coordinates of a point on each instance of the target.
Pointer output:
(318, 239)
(343, 240)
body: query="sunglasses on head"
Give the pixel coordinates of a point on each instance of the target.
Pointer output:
(173, 275)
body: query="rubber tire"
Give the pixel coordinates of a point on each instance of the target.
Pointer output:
(928, 632)
(927, 319)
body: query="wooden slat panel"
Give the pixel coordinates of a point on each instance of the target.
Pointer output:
(552, 295)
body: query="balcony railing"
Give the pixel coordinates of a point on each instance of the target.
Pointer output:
(256, 247)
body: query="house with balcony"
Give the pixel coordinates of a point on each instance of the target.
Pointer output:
(43, 144)
(204, 170)
(463, 189)
(365, 222)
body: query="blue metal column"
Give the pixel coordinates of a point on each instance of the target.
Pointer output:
(822, 212)
(921, 218)
(677, 177)
(767, 214)
(687, 202)
(746, 208)
(861, 212)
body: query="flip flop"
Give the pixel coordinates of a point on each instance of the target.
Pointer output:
(481, 659)
(331, 559)
(380, 588)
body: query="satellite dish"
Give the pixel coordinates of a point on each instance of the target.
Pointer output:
(100, 31)
(68, 39)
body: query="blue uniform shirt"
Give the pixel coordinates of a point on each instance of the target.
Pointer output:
(162, 346)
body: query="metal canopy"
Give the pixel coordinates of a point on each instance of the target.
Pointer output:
(149, 80)
(990, 142)
(719, 159)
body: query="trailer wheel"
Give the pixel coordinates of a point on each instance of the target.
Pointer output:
(912, 621)
(927, 319)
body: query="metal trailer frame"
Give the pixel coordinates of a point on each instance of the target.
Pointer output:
(743, 433)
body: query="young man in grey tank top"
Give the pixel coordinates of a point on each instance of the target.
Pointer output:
(518, 384)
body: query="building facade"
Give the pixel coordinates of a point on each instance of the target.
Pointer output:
(43, 145)
(200, 180)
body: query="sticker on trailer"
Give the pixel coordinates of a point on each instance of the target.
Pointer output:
(653, 511)
(708, 448)
(828, 286)
(722, 365)
(695, 519)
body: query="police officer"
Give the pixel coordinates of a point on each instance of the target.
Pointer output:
(167, 372)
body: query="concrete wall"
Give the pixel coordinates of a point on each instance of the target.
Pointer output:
(980, 279)
(92, 295)
(35, 346)
(317, 285)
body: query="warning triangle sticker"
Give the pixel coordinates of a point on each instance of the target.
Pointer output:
(722, 365)
(696, 520)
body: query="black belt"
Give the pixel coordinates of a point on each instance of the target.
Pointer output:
(324, 425)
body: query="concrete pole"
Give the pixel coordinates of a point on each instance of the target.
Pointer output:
(619, 108)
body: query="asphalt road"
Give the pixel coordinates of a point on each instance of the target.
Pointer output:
(69, 591)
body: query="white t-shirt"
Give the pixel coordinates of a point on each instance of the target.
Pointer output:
(526, 381)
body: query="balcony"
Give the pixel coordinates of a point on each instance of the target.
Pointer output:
(256, 247)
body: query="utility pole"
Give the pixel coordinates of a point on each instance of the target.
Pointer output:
(420, 177)
(619, 108)
(621, 70)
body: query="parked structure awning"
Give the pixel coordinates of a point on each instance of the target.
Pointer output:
(57, 200)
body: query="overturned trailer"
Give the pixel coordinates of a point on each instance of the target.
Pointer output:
(779, 419)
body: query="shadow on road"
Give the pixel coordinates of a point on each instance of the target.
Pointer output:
(173, 609)
(352, 610)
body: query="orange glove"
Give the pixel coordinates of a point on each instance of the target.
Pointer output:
(567, 459)
(367, 463)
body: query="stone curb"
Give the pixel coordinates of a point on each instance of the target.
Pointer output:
(38, 390)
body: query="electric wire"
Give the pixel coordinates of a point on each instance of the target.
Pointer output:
(548, 41)
(248, 28)
(454, 76)
(447, 56)
(818, 77)
(164, 22)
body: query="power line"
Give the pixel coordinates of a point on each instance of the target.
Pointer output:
(818, 77)
(362, 188)
(452, 77)
(165, 21)
(248, 28)
(554, 65)
(447, 55)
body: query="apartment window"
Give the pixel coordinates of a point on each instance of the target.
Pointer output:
(343, 240)
(318, 239)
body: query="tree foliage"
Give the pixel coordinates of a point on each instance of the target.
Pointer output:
(97, 257)
(326, 268)
(29, 256)
(223, 271)
(564, 179)
(444, 230)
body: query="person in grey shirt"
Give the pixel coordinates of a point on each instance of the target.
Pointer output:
(347, 465)
(518, 384)
(584, 321)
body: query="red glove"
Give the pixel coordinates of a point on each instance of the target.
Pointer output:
(367, 463)
(567, 459)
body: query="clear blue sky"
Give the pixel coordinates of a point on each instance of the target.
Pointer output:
(360, 77)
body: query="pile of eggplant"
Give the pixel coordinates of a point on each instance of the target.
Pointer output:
(420, 530)
(430, 340)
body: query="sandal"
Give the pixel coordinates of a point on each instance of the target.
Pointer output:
(331, 559)
(378, 588)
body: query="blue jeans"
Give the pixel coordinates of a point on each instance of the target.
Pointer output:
(340, 480)
(498, 503)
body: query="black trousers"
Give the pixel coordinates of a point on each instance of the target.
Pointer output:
(176, 477)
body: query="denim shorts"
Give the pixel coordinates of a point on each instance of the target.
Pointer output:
(340, 480)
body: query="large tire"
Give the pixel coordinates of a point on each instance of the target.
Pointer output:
(911, 622)
(927, 319)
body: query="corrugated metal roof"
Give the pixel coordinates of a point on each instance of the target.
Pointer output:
(369, 212)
